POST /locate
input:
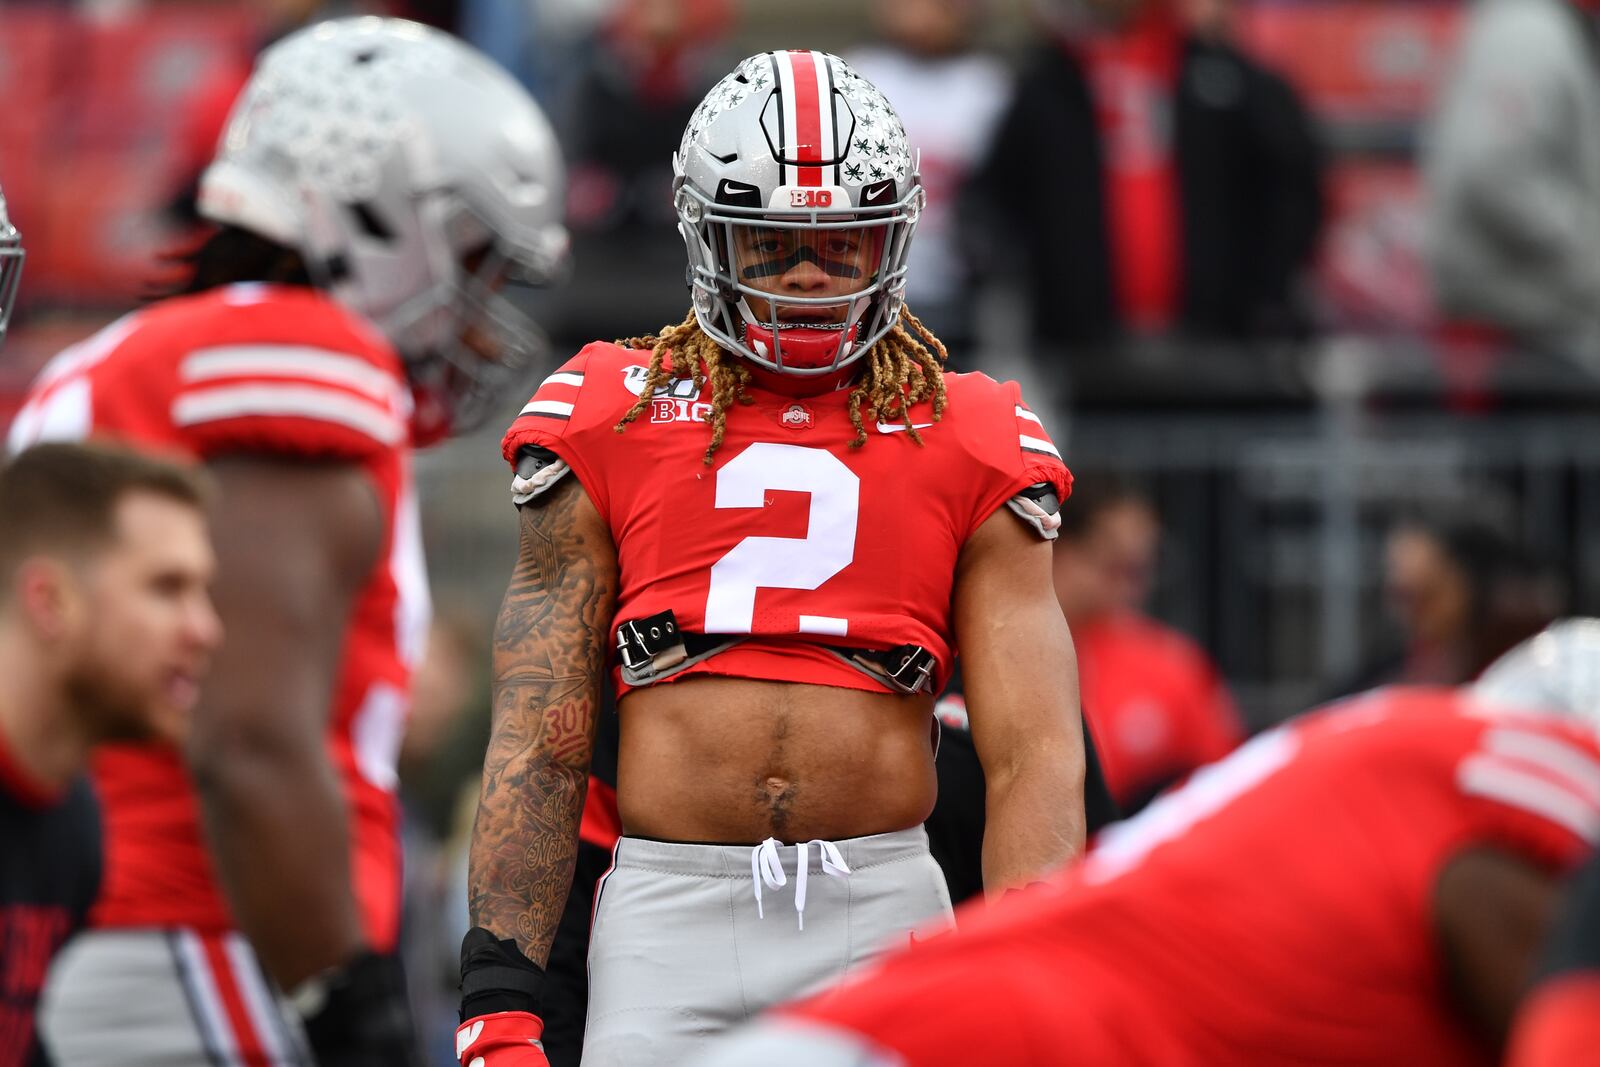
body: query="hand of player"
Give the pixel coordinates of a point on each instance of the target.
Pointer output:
(359, 1016)
(504, 1039)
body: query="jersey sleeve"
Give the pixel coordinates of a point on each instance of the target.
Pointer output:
(1537, 790)
(557, 418)
(316, 401)
(1017, 455)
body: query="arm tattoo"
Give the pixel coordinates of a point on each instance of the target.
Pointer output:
(549, 655)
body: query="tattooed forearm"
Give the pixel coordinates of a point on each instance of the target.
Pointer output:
(549, 654)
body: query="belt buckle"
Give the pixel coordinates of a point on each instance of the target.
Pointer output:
(916, 660)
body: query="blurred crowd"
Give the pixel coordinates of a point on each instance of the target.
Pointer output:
(1135, 206)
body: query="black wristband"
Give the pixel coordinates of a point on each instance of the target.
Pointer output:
(496, 976)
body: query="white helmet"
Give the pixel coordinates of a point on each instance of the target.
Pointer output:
(11, 256)
(1557, 670)
(413, 176)
(797, 155)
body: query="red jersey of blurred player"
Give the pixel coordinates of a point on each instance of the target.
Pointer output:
(281, 371)
(779, 511)
(1156, 704)
(1280, 908)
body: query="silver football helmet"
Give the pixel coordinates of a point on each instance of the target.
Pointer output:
(795, 161)
(1557, 670)
(415, 178)
(11, 256)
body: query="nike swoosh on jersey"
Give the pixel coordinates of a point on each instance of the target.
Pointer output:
(884, 427)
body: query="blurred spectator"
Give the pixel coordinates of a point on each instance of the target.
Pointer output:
(949, 97)
(1461, 594)
(1156, 182)
(1512, 164)
(1156, 704)
(106, 630)
(653, 62)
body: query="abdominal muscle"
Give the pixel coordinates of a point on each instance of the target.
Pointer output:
(735, 760)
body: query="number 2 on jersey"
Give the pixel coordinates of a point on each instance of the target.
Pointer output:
(784, 562)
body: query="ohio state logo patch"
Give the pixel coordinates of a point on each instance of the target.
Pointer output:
(796, 417)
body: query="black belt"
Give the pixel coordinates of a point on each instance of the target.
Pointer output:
(655, 648)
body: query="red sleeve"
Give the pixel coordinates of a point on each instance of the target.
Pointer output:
(1535, 787)
(1016, 448)
(348, 402)
(554, 418)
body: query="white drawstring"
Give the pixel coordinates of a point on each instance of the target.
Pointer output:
(766, 866)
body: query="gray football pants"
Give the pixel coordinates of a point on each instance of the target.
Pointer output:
(165, 998)
(690, 941)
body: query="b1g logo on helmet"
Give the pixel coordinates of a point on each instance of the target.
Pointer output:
(810, 197)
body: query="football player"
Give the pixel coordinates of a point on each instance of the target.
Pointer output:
(377, 185)
(784, 517)
(1368, 885)
(106, 627)
(1559, 1022)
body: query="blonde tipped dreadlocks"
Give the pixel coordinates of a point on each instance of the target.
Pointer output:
(902, 370)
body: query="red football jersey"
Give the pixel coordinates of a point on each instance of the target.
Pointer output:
(1277, 909)
(790, 535)
(1156, 704)
(264, 370)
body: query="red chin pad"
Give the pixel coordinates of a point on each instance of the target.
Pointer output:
(804, 348)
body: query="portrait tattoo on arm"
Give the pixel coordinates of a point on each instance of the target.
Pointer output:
(549, 655)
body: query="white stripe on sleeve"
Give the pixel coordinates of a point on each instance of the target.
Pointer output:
(289, 361)
(563, 378)
(1497, 779)
(1039, 444)
(548, 407)
(298, 401)
(1024, 413)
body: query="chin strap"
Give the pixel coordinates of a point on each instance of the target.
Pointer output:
(804, 347)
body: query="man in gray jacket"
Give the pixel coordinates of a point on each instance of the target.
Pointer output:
(1512, 163)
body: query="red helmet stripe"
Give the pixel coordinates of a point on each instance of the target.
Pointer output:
(808, 116)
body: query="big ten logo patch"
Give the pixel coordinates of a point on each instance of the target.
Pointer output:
(667, 409)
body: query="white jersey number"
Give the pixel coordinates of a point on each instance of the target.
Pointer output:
(784, 562)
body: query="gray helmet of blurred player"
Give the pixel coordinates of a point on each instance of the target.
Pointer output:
(11, 256)
(795, 157)
(415, 178)
(1556, 670)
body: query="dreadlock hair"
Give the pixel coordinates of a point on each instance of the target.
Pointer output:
(905, 368)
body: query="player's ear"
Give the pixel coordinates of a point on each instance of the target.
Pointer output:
(49, 597)
(1492, 913)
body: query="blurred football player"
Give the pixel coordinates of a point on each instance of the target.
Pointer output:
(1559, 1022)
(784, 516)
(106, 627)
(377, 185)
(1369, 885)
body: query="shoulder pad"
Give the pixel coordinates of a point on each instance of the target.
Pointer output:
(1039, 507)
(538, 469)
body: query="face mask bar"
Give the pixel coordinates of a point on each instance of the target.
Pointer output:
(11, 258)
(484, 343)
(722, 291)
